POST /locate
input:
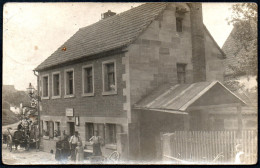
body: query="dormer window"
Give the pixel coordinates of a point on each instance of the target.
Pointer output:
(178, 24)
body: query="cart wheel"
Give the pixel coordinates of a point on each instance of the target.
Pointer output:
(114, 156)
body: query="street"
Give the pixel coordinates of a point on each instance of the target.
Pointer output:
(22, 157)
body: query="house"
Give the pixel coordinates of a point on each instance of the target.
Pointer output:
(133, 75)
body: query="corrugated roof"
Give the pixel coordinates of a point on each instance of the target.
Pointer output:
(108, 34)
(177, 97)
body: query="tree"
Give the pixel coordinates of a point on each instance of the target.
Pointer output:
(244, 19)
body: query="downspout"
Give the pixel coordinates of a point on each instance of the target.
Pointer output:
(38, 102)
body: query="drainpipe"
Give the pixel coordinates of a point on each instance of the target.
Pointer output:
(38, 102)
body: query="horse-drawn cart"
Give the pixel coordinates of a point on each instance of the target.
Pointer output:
(19, 138)
(16, 138)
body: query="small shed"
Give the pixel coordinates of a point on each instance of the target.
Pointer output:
(196, 106)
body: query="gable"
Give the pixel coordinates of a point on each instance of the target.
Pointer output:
(217, 95)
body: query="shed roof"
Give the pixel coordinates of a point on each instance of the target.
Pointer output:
(105, 35)
(181, 96)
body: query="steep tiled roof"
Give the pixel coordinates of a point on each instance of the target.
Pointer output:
(108, 34)
(178, 97)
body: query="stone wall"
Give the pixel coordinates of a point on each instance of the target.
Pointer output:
(154, 55)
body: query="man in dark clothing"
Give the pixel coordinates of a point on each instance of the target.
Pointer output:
(65, 152)
(58, 154)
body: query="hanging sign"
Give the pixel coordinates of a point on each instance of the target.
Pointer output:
(69, 112)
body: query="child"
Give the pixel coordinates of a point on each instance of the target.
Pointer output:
(79, 153)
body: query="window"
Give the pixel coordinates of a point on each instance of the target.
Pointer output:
(89, 130)
(111, 134)
(178, 24)
(69, 82)
(101, 130)
(181, 74)
(88, 81)
(109, 77)
(57, 129)
(56, 84)
(46, 130)
(45, 86)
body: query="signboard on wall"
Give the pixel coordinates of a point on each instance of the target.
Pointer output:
(77, 120)
(69, 112)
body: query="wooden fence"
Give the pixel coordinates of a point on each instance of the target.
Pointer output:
(205, 146)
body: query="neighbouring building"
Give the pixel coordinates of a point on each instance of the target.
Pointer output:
(131, 76)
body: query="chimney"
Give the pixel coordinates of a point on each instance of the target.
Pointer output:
(198, 44)
(107, 14)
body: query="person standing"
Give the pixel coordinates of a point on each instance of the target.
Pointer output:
(58, 154)
(79, 153)
(97, 141)
(65, 152)
(73, 144)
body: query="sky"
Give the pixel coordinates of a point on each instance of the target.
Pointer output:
(33, 31)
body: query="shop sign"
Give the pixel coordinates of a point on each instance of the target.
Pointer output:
(69, 112)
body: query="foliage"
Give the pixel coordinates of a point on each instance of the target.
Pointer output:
(8, 117)
(5, 105)
(244, 19)
(15, 98)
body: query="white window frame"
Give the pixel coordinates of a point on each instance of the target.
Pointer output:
(46, 97)
(103, 75)
(57, 96)
(65, 83)
(83, 80)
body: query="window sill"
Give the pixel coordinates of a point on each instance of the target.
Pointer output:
(109, 93)
(45, 98)
(69, 96)
(55, 97)
(111, 146)
(87, 94)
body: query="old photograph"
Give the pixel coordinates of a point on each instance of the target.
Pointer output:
(130, 83)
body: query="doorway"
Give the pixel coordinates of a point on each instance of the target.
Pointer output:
(71, 128)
